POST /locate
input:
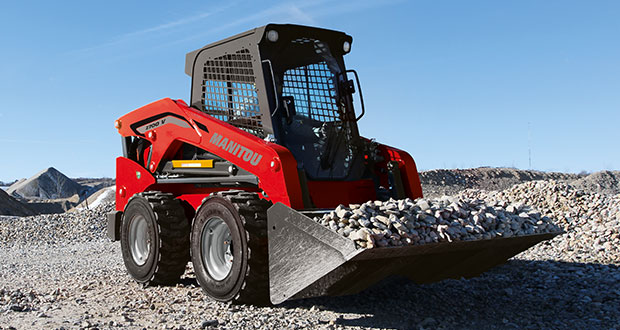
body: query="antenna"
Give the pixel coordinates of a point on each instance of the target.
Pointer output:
(529, 144)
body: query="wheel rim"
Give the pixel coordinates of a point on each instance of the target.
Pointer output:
(216, 248)
(139, 241)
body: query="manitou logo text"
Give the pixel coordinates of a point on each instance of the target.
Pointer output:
(236, 149)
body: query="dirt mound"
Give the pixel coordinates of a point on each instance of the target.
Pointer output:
(436, 183)
(47, 184)
(11, 206)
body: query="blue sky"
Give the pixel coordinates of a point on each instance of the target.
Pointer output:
(455, 83)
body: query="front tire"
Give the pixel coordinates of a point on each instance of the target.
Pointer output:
(229, 247)
(155, 238)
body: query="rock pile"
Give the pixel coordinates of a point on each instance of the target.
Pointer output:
(446, 219)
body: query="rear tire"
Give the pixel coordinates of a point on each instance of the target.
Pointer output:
(235, 271)
(155, 238)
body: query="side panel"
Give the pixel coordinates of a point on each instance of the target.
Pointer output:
(167, 124)
(131, 178)
(408, 169)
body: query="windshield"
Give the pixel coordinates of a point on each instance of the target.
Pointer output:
(315, 128)
(313, 89)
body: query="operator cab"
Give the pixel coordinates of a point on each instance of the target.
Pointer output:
(313, 116)
(293, 89)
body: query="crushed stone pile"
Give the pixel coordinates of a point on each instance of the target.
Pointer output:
(431, 220)
(52, 229)
(591, 220)
(47, 184)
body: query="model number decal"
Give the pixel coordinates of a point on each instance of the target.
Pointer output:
(236, 149)
(162, 122)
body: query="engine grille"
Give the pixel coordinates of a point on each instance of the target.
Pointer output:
(229, 91)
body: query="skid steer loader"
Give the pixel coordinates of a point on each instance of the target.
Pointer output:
(232, 180)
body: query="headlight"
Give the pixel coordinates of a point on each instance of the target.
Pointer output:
(272, 35)
(346, 46)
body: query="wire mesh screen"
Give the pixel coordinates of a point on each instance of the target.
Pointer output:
(229, 91)
(313, 89)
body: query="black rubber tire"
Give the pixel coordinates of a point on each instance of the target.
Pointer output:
(245, 213)
(168, 232)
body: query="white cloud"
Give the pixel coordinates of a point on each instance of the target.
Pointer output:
(166, 26)
(300, 12)
(306, 12)
(299, 16)
(347, 7)
(129, 36)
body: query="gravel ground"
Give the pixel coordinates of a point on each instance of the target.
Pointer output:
(84, 285)
(59, 271)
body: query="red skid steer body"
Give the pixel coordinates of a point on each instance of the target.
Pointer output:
(232, 181)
